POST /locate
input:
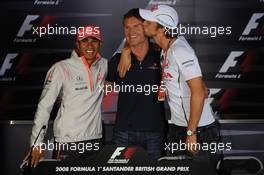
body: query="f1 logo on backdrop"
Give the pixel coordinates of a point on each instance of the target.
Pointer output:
(235, 68)
(122, 155)
(26, 27)
(7, 64)
(229, 63)
(222, 74)
(253, 24)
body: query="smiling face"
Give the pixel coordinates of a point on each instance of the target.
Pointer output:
(89, 47)
(134, 32)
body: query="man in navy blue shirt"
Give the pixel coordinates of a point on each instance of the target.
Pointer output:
(140, 116)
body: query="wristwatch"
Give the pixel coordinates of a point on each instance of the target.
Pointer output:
(190, 132)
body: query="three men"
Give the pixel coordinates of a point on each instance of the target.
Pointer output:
(140, 117)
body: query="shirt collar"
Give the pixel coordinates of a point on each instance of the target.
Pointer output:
(148, 55)
(75, 56)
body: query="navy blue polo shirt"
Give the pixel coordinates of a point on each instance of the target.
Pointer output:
(139, 110)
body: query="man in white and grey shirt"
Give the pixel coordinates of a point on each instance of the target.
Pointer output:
(192, 120)
(79, 80)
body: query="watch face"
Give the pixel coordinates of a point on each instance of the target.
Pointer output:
(189, 132)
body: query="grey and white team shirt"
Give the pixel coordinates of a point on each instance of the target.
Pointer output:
(181, 65)
(80, 86)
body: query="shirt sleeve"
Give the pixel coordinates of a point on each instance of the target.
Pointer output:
(187, 63)
(112, 73)
(50, 92)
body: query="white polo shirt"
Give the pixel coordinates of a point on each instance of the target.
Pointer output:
(180, 66)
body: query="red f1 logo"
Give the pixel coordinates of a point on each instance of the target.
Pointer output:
(117, 152)
(118, 157)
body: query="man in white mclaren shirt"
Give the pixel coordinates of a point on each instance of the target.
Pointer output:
(79, 80)
(192, 120)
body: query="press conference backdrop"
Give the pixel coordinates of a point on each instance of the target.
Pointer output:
(229, 47)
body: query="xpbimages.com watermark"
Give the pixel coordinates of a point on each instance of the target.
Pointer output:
(208, 147)
(81, 147)
(146, 89)
(64, 30)
(212, 31)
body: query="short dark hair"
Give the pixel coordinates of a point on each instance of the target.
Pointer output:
(133, 13)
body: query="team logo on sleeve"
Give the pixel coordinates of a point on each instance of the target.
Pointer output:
(50, 77)
(188, 63)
